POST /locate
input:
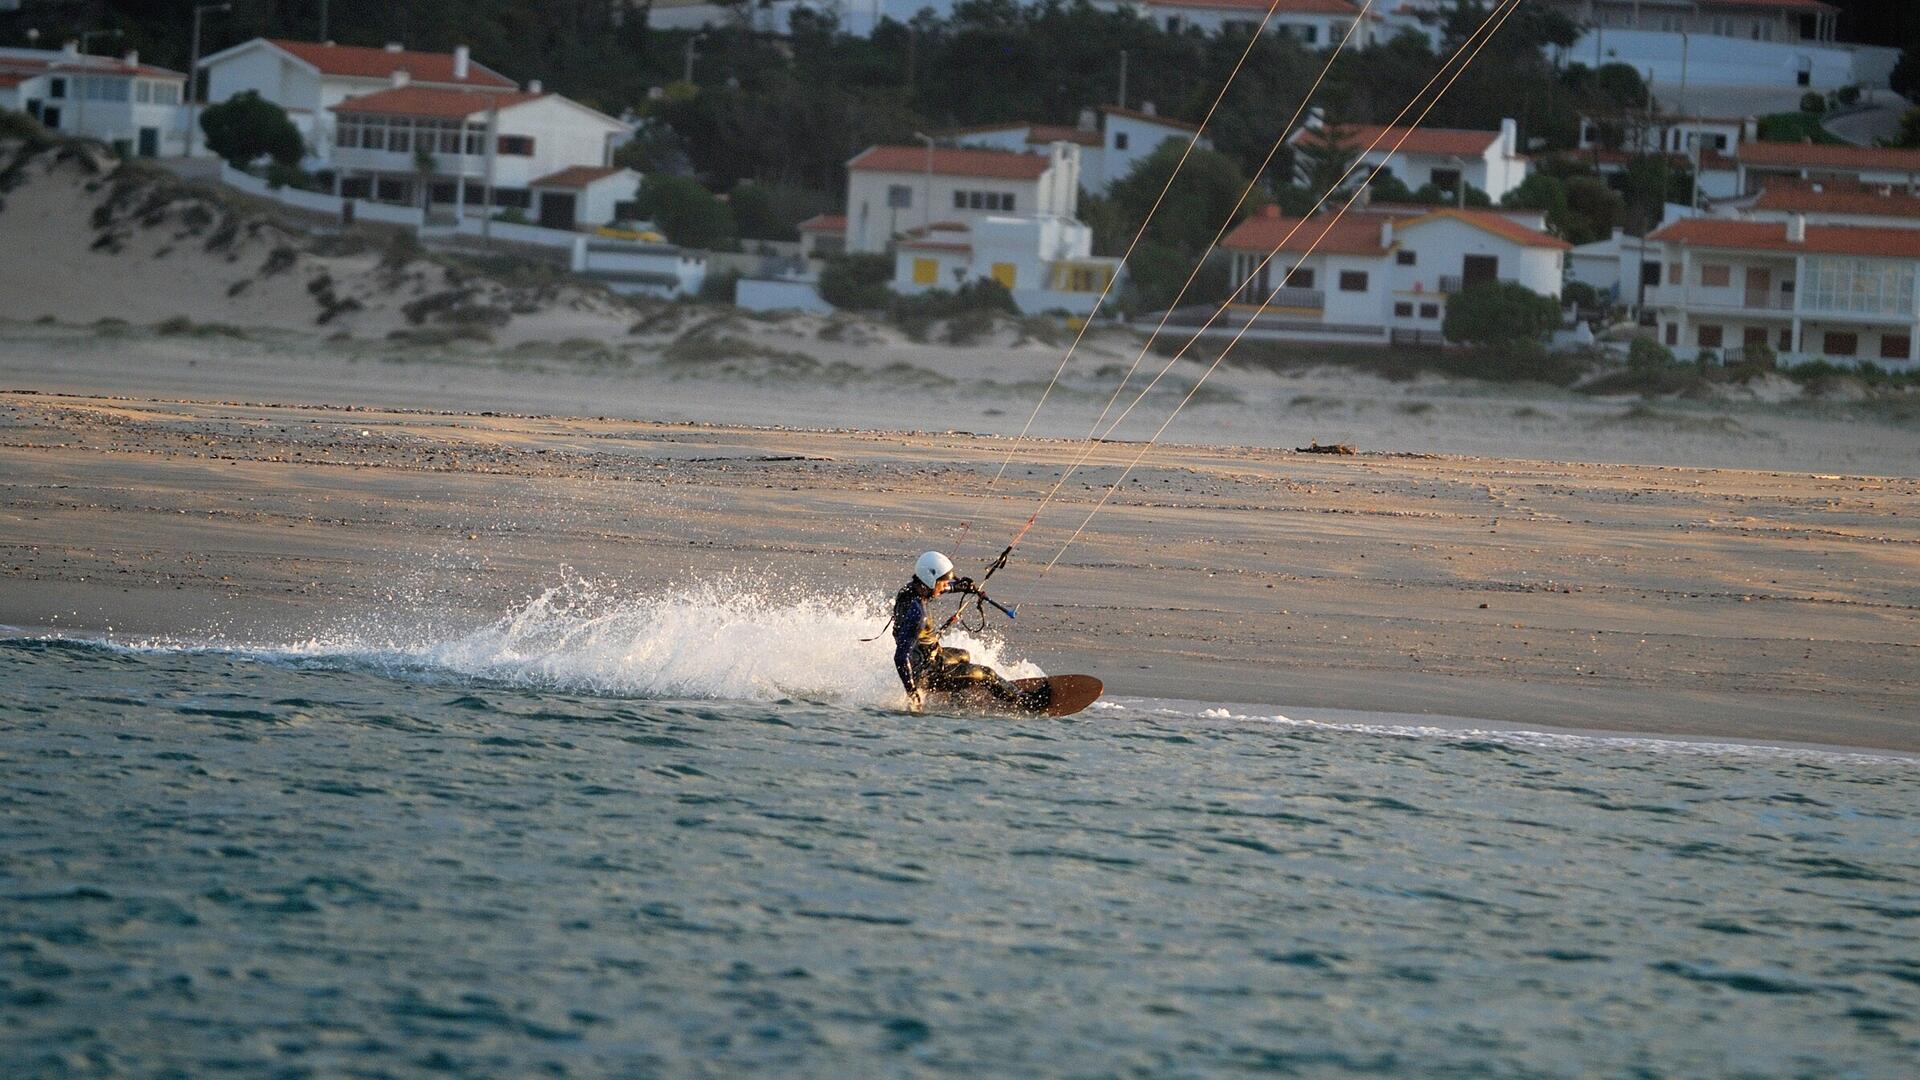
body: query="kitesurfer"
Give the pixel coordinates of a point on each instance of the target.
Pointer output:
(923, 663)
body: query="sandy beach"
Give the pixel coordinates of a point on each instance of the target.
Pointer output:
(1747, 604)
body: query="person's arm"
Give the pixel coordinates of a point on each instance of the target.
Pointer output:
(906, 634)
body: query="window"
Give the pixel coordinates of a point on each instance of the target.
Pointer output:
(1838, 344)
(926, 272)
(976, 200)
(1353, 281)
(374, 135)
(450, 136)
(1649, 273)
(516, 145)
(1895, 346)
(1710, 337)
(1673, 273)
(1719, 142)
(1173, 24)
(166, 94)
(475, 140)
(143, 91)
(1119, 140)
(1786, 339)
(56, 88)
(1864, 285)
(1429, 311)
(1673, 333)
(347, 136)
(1301, 278)
(1754, 335)
(1446, 179)
(1406, 258)
(959, 200)
(1006, 203)
(899, 196)
(1003, 273)
(400, 138)
(1804, 78)
(1402, 310)
(1717, 275)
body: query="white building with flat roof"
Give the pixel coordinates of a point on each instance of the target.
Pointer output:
(1443, 157)
(1047, 263)
(894, 189)
(1112, 140)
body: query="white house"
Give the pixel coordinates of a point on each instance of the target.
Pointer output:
(1379, 277)
(132, 106)
(1737, 53)
(1318, 23)
(1443, 157)
(308, 78)
(1837, 292)
(584, 196)
(1760, 163)
(1112, 140)
(1046, 262)
(823, 235)
(892, 189)
(1673, 134)
(506, 140)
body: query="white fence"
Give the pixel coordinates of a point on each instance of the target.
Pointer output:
(761, 295)
(514, 233)
(315, 202)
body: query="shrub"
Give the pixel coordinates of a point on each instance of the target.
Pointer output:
(246, 126)
(1647, 355)
(1812, 104)
(856, 282)
(1848, 95)
(1580, 294)
(293, 176)
(1499, 313)
(686, 212)
(719, 288)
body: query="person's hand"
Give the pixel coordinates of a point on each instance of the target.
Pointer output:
(916, 701)
(963, 585)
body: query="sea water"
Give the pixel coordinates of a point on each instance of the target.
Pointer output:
(687, 838)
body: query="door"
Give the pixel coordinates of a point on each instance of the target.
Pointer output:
(1475, 269)
(556, 210)
(1759, 286)
(149, 142)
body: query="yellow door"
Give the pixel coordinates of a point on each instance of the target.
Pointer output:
(926, 271)
(1003, 273)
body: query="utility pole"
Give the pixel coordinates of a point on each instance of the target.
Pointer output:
(926, 187)
(1123, 79)
(493, 142)
(687, 75)
(323, 20)
(83, 80)
(193, 71)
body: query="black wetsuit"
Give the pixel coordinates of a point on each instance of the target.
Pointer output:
(923, 663)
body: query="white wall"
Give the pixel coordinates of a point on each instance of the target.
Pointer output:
(1725, 61)
(760, 295)
(1143, 138)
(871, 223)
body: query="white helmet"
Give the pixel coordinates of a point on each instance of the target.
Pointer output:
(932, 567)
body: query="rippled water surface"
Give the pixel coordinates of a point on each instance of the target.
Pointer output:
(215, 864)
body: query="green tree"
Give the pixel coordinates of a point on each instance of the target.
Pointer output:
(1207, 191)
(686, 212)
(246, 126)
(1593, 210)
(772, 211)
(1323, 158)
(1905, 79)
(1498, 313)
(1909, 128)
(857, 282)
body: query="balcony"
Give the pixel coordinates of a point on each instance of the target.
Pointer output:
(1766, 300)
(1290, 297)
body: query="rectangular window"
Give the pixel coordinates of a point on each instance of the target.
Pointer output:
(57, 88)
(1406, 258)
(1673, 333)
(400, 138)
(1709, 337)
(1119, 140)
(1895, 346)
(1867, 286)
(516, 145)
(1429, 311)
(959, 200)
(374, 135)
(347, 135)
(1673, 273)
(449, 137)
(1403, 310)
(899, 196)
(976, 200)
(1838, 344)
(1353, 281)
(926, 272)
(1301, 278)
(143, 91)
(1786, 339)
(166, 94)
(1446, 179)
(476, 141)
(1754, 335)
(1003, 273)
(1716, 275)
(1006, 203)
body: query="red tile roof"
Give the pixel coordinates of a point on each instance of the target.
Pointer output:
(431, 101)
(1268, 231)
(1497, 223)
(1291, 7)
(1829, 157)
(1772, 236)
(365, 62)
(576, 176)
(1046, 133)
(936, 245)
(824, 223)
(28, 66)
(993, 164)
(1838, 197)
(13, 80)
(1151, 118)
(1452, 142)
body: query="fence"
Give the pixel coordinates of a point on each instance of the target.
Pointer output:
(315, 202)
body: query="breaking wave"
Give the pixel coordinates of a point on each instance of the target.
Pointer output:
(710, 641)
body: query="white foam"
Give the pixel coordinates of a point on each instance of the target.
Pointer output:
(711, 640)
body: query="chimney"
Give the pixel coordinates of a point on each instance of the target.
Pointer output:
(1386, 233)
(460, 57)
(401, 78)
(1797, 229)
(1147, 108)
(133, 58)
(534, 86)
(394, 46)
(1089, 121)
(71, 50)
(1509, 137)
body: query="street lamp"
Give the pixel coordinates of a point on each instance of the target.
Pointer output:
(926, 188)
(193, 72)
(81, 81)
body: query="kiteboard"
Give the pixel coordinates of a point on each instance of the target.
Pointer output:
(1053, 695)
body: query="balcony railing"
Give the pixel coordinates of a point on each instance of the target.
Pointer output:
(1766, 300)
(1450, 283)
(1291, 297)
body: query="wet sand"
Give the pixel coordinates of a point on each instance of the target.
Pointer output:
(1694, 602)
